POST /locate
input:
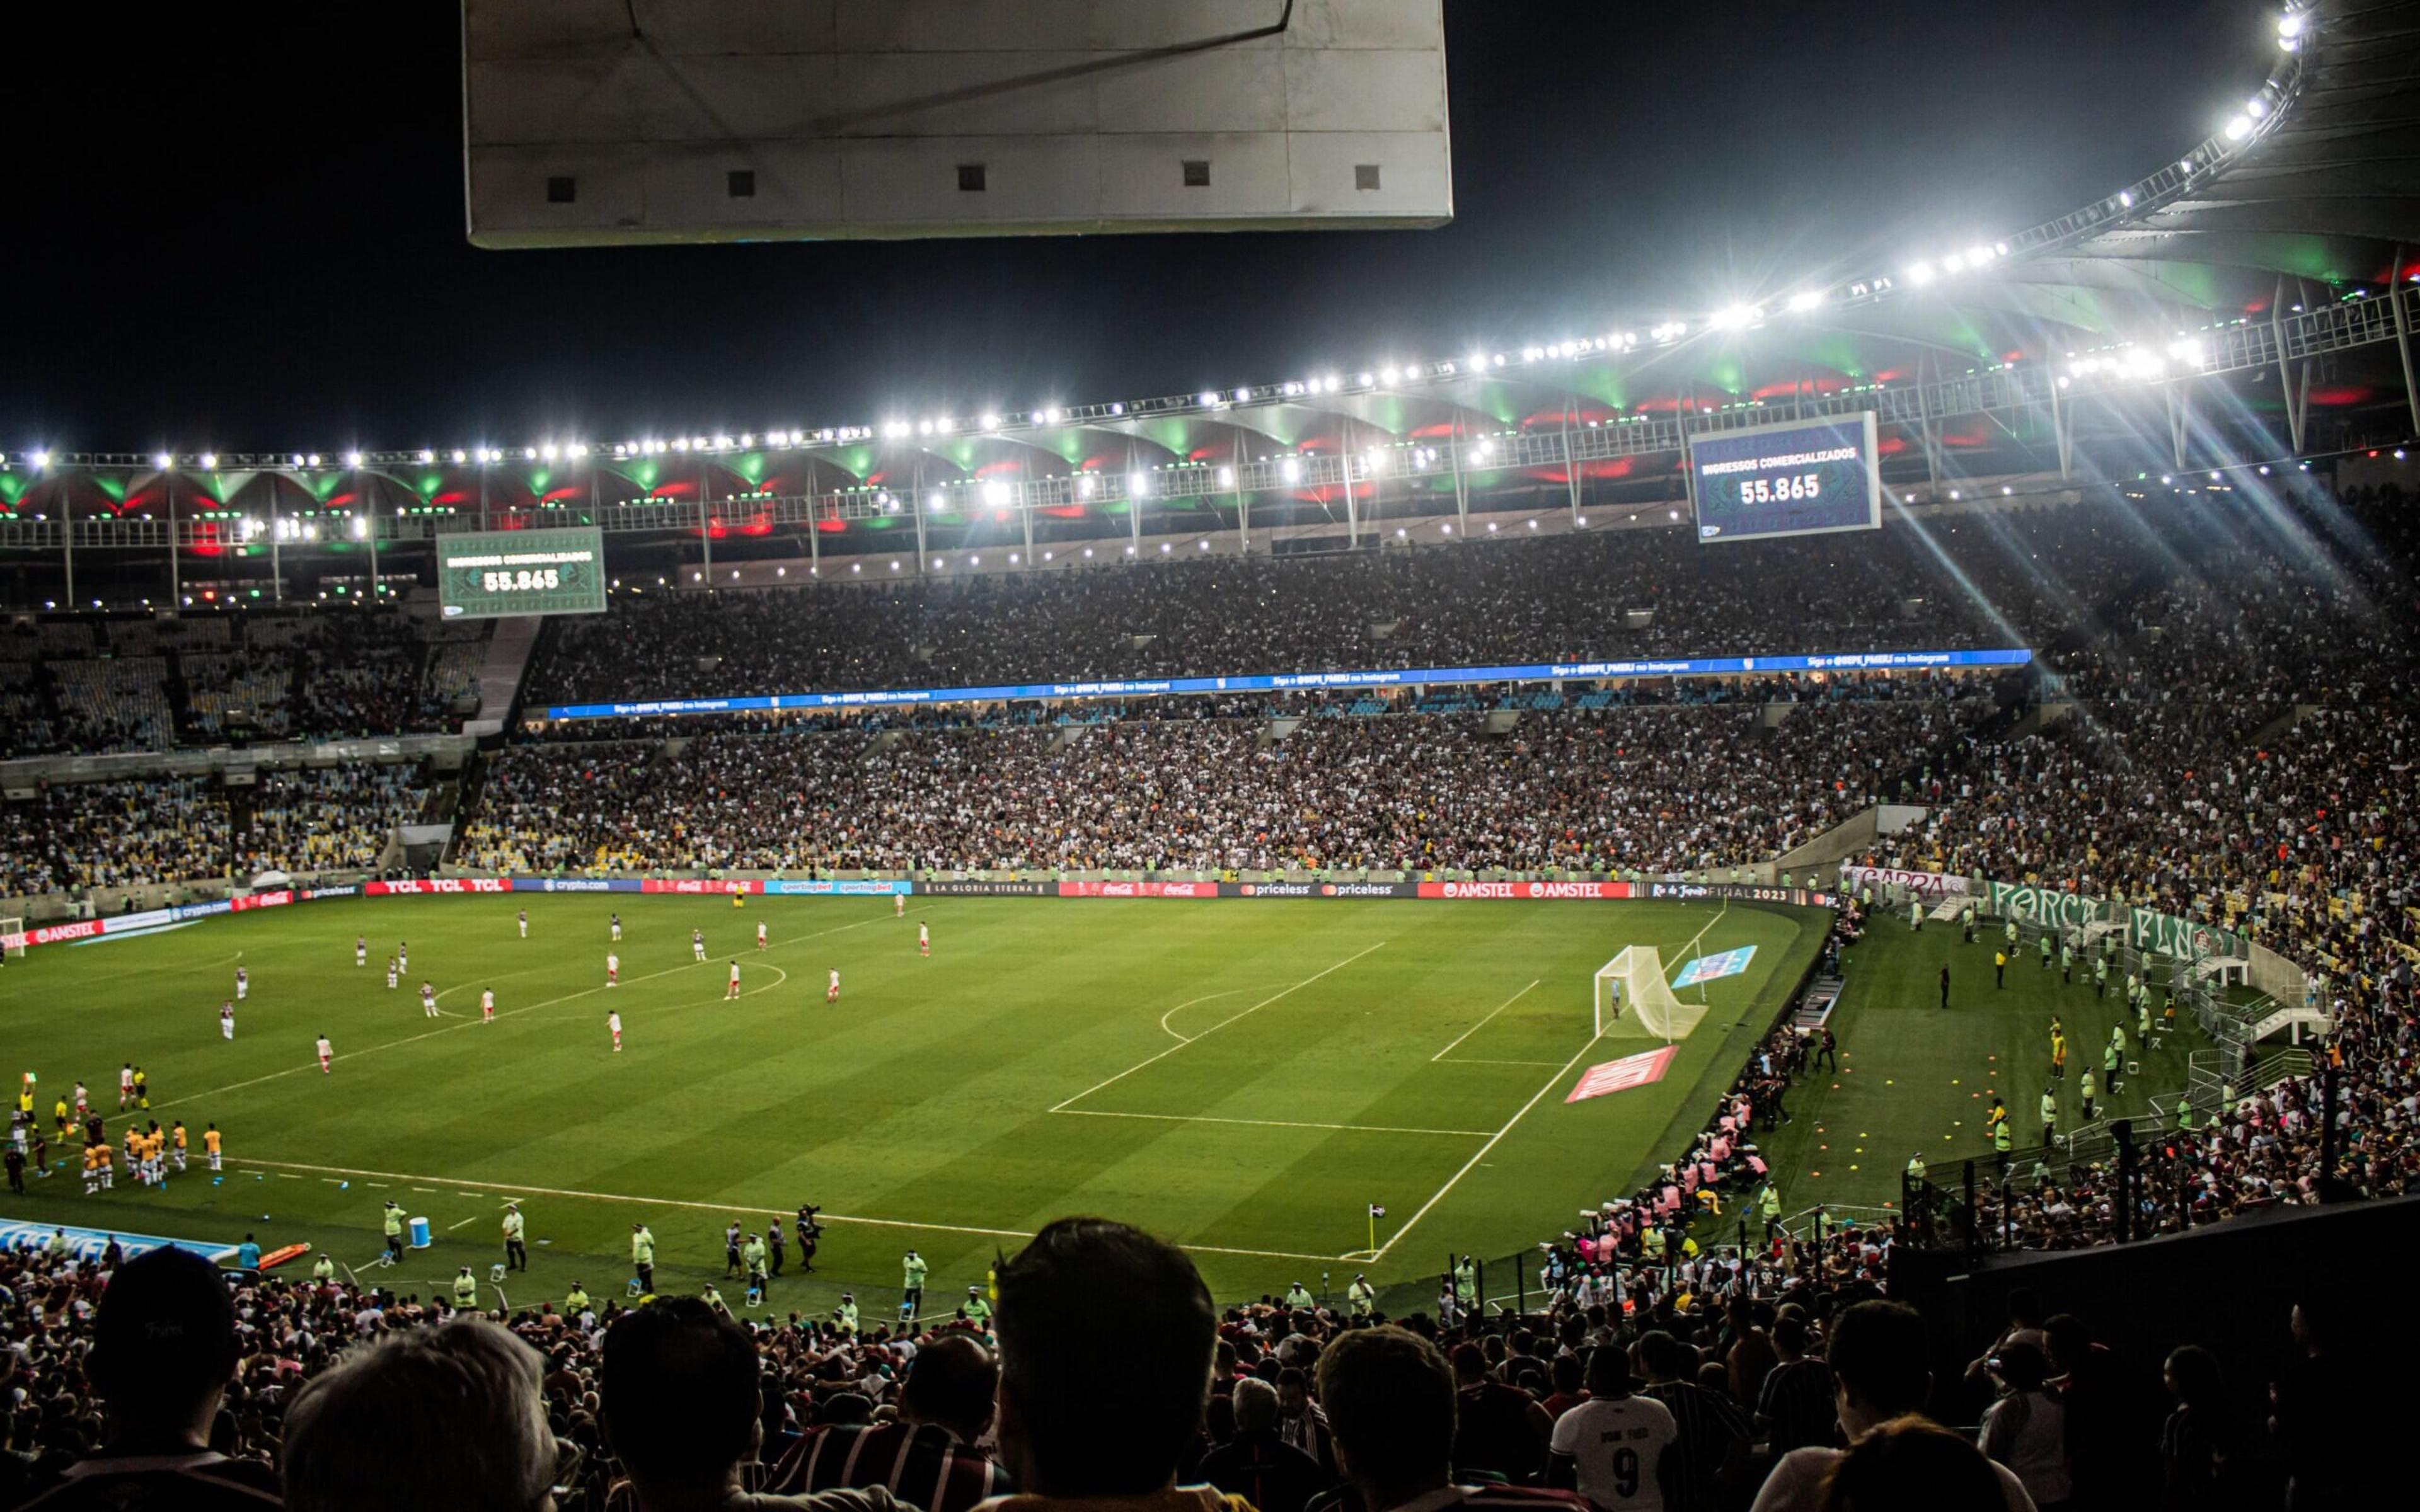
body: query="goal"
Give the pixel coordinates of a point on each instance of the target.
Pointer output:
(12, 937)
(1633, 984)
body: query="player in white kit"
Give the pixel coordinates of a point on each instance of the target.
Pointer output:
(403, 956)
(831, 994)
(361, 950)
(393, 972)
(327, 1053)
(617, 919)
(899, 905)
(427, 1000)
(525, 923)
(613, 969)
(242, 983)
(227, 1021)
(125, 1086)
(613, 1022)
(697, 946)
(488, 1005)
(760, 934)
(734, 990)
(924, 938)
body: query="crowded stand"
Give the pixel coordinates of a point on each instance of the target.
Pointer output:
(328, 819)
(1653, 790)
(1096, 1371)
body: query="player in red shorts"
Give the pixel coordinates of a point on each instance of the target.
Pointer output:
(613, 1022)
(734, 990)
(613, 970)
(924, 938)
(327, 1054)
(760, 934)
(831, 994)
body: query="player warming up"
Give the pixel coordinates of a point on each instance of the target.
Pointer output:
(616, 919)
(525, 923)
(733, 990)
(613, 969)
(923, 939)
(242, 983)
(899, 905)
(403, 956)
(831, 994)
(327, 1054)
(361, 950)
(613, 1022)
(488, 1005)
(760, 934)
(227, 1021)
(697, 946)
(429, 999)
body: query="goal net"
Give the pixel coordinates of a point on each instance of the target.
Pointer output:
(1633, 984)
(13, 939)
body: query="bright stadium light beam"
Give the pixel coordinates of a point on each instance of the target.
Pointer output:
(1805, 299)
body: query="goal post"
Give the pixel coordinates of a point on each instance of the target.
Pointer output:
(1633, 984)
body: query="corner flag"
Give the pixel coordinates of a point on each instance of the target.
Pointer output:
(1377, 1211)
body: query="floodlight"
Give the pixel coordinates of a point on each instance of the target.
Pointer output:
(1138, 485)
(1805, 299)
(163, 461)
(1919, 272)
(211, 459)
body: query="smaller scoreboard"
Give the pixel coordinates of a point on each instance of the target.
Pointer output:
(1798, 478)
(487, 574)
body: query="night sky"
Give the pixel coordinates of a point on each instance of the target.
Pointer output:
(236, 238)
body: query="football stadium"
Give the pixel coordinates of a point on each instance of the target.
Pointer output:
(1788, 890)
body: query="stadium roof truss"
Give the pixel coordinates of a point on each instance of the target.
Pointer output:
(2268, 250)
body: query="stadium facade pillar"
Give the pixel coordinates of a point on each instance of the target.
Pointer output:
(1925, 433)
(369, 514)
(2179, 399)
(277, 572)
(67, 541)
(1243, 503)
(1572, 462)
(705, 523)
(1344, 459)
(2062, 431)
(176, 571)
(916, 510)
(1461, 479)
(2294, 380)
(2397, 291)
(1134, 504)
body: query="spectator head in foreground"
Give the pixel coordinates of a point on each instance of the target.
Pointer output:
(1877, 1355)
(952, 1383)
(451, 1417)
(1389, 1398)
(163, 1350)
(1912, 1464)
(1106, 1338)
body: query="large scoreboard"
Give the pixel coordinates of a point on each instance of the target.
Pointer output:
(489, 574)
(1796, 478)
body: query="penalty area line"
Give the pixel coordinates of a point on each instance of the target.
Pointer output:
(1481, 1153)
(1483, 1023)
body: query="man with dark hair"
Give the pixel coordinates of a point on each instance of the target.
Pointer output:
(1795, 1406)
(1877, 1356)
(684, 1414)
(1713, 1432)
(163, 1350)
(1389, 1397)
(1502, 1430)
(928, 1456)
(1258, 1465)
(1104, 1345)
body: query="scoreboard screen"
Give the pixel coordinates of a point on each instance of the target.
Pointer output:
(1798, 478)
(486, 574)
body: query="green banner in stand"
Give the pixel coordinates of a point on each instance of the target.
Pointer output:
(2147, 928)
(487, 574)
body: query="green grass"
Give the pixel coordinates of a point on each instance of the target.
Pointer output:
(1913, 1077)
(1051, 1057)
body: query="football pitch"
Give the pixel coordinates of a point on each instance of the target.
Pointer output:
(1248, 1077)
